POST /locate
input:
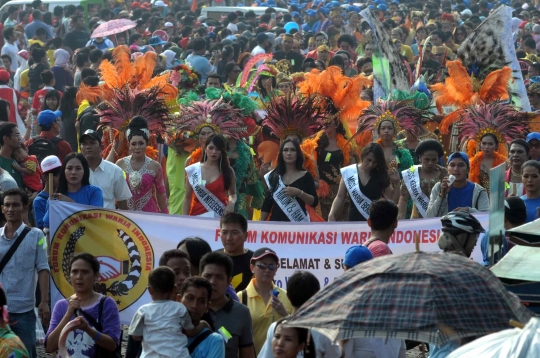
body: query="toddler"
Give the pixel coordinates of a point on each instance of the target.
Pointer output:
(29, 166)
(159, 324)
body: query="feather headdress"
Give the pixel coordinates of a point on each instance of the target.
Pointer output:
(402, 114)
(498, 118)
(235, 98)
(218, 115)
(460, 90)
(292, 114)
(128, 103)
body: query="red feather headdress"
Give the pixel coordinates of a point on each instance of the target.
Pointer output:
(498, 118)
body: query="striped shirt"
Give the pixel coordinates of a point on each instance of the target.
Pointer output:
(19, 278)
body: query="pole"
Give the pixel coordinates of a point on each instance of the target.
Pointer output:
(51, 185)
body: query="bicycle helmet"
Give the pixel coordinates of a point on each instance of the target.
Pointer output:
(458, 222)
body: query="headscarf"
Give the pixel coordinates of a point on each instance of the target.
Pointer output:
(23, 65)
(61, 57)
(169, 55)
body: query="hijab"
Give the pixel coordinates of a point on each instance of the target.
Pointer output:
(61, 57)
(169, 55)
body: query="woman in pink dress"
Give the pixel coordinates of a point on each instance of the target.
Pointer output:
(143, 175)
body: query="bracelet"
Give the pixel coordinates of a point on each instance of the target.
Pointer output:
(98, 335)
(302, 193)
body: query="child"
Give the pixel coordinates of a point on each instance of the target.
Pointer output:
(159, 324)
(29, 166)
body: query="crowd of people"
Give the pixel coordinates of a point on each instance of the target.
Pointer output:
(321, 112)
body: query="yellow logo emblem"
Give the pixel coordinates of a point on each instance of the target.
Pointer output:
(121, 247)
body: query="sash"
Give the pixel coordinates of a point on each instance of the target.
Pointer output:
(352, 183)
(288, 204)
(14, 116)
(207, 199)
(411, 178)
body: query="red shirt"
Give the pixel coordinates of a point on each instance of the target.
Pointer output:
(39, 98)
(33, 181)
(62, 146)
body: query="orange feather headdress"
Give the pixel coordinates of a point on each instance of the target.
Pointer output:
(461, 90)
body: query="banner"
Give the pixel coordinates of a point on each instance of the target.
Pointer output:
(129, 244)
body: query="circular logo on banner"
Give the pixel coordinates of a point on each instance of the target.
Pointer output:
(121, 247)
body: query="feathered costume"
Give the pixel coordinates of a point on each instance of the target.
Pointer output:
(338, 97)
(497, 118)
(128, 90)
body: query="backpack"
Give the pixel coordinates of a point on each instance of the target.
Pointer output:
(42, 147)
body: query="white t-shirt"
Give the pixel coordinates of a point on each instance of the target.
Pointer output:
(12, 51)
(110, 178)
(160, 323)
(323, 345)
(7, 181)
(257, 50)
(232, 27)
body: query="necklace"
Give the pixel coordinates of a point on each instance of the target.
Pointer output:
(514, 174)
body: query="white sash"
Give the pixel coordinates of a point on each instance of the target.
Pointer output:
(207, 199)
(352, 183)
(20, 122)
(411, 178)
(288, 204)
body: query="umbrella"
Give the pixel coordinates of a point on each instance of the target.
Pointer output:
(510, 343)
(425, 297)
(527, 235)
(113, 27)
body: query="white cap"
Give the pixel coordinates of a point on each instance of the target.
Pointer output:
(466, 12)
(169, 24)
(49, 163)
(160, 3)
(525, 6)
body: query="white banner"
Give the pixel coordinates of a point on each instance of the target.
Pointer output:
(129, 244)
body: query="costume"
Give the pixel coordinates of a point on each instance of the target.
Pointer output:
(337, 96)
(497, 118)
(141, 184)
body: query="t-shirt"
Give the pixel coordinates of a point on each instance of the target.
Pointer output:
(110, 178)
(460, 197)
(241, 271)
(32, 181)
(10, 345)
(11, 50)
(78, 343)
(531, 205)
(160, 323)
(202, 66)
(379, 248)
(87, 195)
(6, 164)
(76, 39)
(7, 181)
(213, 346)
(39, 206)
(233, 27)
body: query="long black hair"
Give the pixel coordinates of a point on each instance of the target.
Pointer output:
(323, 140)
(281, 169)
(262, 89)
(381, 170)
(304, 336)
(4, 107)
(62, 183)
(68, 102)
(221, 143)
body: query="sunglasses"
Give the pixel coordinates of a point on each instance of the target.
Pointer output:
(271, 267)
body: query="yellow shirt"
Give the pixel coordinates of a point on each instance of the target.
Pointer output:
(406, 51)
(24, 79)
(262, 316)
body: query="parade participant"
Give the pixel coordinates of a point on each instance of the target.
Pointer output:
(331, 147)
(266, 302)
(231, 319)
(99, 330)
(533, 140)
(106, 175)
(11, 345)
(211, 184)
(388, 118)
(301, 286)
(459, 194)
(143, 175)
(492, 125)
(530, 174)
(286, 53)
(195, 294)
(233, 234)
(289, 342)
(518, 154)
(23, 268)
(74, 184)
(364, 183)
(418, 181)
(290, 186)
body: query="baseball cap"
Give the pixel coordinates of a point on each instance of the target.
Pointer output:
(48, 117)
(156, 41)
(466, 12)
(262, 252)
(24, 54)
(4, 75)
(50, 163)
(533, 135)
(295, 13)
(160, 3)
(357, 254)
(262, 36)
(90, 133)
(311, 12)
(168, 24)
(459, 155)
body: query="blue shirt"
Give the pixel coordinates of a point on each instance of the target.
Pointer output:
(484, 245)
(460, 197)
(40, 208)
(30, 29)
(202, 66)
(212, 347)
(531, 205)
(87, 195)
(313, 28)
